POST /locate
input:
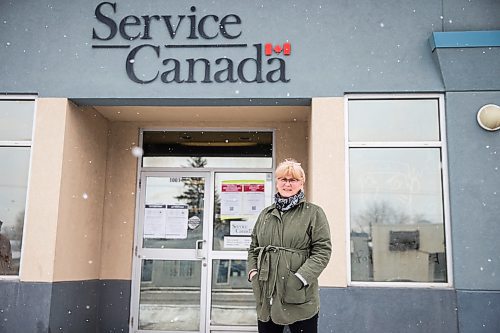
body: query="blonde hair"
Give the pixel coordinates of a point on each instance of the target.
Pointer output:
(290, 168)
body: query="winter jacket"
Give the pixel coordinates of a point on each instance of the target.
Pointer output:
(297, 241)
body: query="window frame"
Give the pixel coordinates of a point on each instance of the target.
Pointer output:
(441, 144)
(27, 144)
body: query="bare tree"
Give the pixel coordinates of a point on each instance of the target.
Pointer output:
(380, 212)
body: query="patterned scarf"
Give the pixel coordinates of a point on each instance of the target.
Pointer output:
(285, 204)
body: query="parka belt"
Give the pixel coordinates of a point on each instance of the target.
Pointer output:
(264, 260)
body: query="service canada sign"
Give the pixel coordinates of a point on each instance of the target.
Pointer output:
(163, 40)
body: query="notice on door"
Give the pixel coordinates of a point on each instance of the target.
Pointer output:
(237, 242)
(231, 199)
(253, 198)
(155, 220)
(177, 222)
(242, 197)
(240, 228)
(166, 221)
(241, 202)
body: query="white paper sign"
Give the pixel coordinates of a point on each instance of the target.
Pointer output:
(253, 198)
(240, 228)
(155, 220)
(237, 242)
(177, 222)
(231, 199)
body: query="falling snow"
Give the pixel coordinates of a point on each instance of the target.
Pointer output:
(137, 151)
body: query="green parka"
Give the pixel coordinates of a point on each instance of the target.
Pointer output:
(297, 241)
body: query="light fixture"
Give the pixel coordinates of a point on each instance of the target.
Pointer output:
(488, 117)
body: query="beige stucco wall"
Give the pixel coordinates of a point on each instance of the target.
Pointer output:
(39, 242)
(82, 195)
(62, 235)
(120, 203)
(82, 200)
(327, 180)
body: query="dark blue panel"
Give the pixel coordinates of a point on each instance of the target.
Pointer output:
(474, 161)
(470, 69)
(387, 310)
(74, 306)
(479, 311)
(114, 305)
(24, 307)
(90, 306)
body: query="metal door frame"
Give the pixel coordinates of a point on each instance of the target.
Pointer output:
(187, 254)
(168, 254)
(208, 216)
(219, 254)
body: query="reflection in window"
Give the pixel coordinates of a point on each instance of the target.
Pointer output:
(147, 271)
(169, 193)
(170, 295)
(13, 188)
(16, 121)
(396, 194)
(233, 302)
(207, 149)
(238, 200)
(396, 120)
(222, 276)
(404, 240)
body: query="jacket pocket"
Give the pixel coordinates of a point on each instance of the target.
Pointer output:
(295, 292)
(256, 288)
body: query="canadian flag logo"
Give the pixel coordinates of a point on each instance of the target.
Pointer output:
(286, 48)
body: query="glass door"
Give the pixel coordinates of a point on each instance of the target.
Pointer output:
(191, 248)
(170, 254)
(238, 199)
(200, 194)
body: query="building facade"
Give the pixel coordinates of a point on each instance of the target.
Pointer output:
(138, 142)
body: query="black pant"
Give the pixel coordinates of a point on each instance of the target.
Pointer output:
(303, 326)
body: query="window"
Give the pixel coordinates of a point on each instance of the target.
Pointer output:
(397, 197)
(208, 149)
(16, 122)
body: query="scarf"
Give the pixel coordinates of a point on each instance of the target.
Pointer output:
(285, 204)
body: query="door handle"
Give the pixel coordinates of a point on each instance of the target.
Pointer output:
(199, 249)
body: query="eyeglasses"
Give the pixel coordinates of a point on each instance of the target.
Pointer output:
(291, 181)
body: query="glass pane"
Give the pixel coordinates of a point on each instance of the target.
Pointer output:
(396, 203)
(13, 188)
(233, 303)
(208, 149)
(173, 212)
(394, 120)
(239, 198)
(170, 295)
(210, 162)
(16, 120)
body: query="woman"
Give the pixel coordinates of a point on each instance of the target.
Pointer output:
(290, 248)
